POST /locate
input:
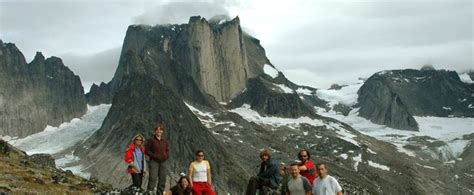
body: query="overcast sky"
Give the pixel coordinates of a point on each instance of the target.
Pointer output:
(315, 43)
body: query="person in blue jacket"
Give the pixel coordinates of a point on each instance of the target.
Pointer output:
(268, 176)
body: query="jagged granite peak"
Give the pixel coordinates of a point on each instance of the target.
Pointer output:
(381, 105)
(99, 94)
(213, 55)
(393, 97)
(38, 57)
(214, 58)
(11, 56)
(43, 92)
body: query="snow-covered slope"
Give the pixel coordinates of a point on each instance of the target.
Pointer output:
(54, 140)
(432, 129)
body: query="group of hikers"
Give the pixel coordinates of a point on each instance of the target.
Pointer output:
(156, 148)
(301, 178)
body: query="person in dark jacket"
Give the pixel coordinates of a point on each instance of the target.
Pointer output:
(158, 150)
(183, 187)
(268, 176)
(135, 158)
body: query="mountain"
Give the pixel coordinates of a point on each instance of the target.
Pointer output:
(33, 95)
(37, 173)
(214, 89)
(216, 58)
(99, 94)
(393, 97)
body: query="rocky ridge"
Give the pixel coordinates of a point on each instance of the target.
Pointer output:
(392, 97)
(43, 92)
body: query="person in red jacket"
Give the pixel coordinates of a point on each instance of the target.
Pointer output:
(307, 167)
(158, 150)
(135, 158)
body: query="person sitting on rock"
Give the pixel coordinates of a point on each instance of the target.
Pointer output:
(182, 187)
(268, 176)
(135, 158)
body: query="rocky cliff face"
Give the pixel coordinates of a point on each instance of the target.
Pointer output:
(268, 98)
(217, 57)
(43, 92)
(393, 97)
(100, 94)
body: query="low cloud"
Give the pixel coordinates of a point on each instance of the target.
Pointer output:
(95, 68)
(323, 42)
(178, 13)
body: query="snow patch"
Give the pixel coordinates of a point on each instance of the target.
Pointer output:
(207, 118)
(304, 91)
(344, 156)
(371, 151)
(428, 167)
(284, 88)
(357, 160)
(379, 166)
(458, 146)
(250, 115)
(346, 95)
(347, 136)
(465, 78)
(270, 71)
(447, 108)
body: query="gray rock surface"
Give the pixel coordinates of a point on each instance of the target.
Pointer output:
(217, 58)
(265, 97)
(393, 97)
(45, 160)
(43, 92)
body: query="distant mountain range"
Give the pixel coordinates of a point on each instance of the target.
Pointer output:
(213, 87)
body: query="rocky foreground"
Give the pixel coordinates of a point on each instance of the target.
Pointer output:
(21, 173)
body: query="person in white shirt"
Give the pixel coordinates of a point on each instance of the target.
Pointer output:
(325, 184)
(200, 175)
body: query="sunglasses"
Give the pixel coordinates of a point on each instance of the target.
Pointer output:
(138, 139)
(303, 155)
(200, 155)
